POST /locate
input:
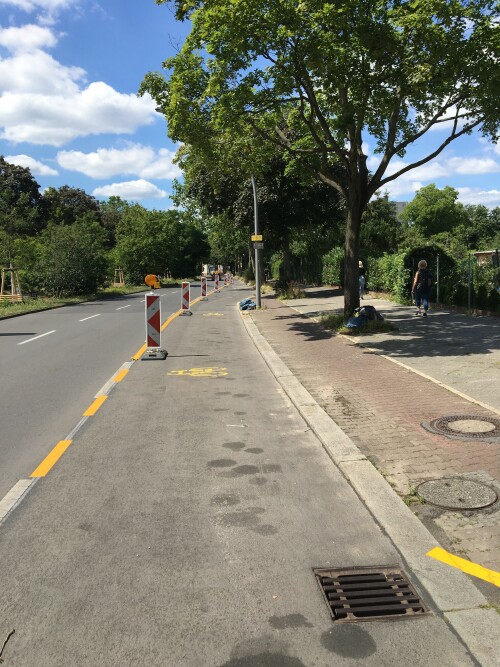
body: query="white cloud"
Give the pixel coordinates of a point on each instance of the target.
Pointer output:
(49, 6)
(140, 189)
(46, 102)
(413, 179)
(37, 168)
(137, 160)
(489, 198)
(27, 38)
(57, 119)
(471, 165)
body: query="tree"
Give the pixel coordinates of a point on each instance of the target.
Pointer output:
(65, 205)
(318, 78)
(434, 211)
(19, 205)
(72, 258)
(381, 229)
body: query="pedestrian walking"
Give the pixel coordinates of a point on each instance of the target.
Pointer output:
(362, 280)
(421, 289)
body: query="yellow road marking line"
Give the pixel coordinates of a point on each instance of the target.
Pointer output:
(92, 409)
(170, 319)
(465, 565)
(51, 458)
(120, 375)
(139, 352)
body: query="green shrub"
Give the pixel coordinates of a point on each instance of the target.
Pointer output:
(333, 267)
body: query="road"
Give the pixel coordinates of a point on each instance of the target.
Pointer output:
(53, 363)
(181, 527)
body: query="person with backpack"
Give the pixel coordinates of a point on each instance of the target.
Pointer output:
(421, 289)
(362, 279)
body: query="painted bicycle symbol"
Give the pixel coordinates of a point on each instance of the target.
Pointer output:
(214, 372)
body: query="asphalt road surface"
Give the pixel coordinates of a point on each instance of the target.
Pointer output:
(181, 526)
(53, 363)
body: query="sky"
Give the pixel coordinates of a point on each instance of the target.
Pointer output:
(69, 111)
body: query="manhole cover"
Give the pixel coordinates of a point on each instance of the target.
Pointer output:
(457, 493)
(363, 594)
(466, 427)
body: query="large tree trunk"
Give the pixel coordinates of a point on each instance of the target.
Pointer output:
(351, 268)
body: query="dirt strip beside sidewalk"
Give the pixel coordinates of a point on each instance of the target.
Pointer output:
(380, 406)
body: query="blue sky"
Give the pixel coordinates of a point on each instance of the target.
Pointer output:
(69, 73)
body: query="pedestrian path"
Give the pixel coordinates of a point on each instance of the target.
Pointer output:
(381, 405)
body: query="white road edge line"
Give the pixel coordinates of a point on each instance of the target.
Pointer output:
(14, 496)
(40, 336)
(89, 318)
(122, 307)
(106, 388)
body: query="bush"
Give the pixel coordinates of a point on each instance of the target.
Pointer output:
(333, 267)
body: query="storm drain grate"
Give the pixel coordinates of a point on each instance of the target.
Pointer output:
(369, 594)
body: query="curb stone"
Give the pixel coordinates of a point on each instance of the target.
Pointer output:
(452, 592)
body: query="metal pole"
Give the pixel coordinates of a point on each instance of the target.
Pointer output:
(257, 262)
(468, 286)
(437, 279)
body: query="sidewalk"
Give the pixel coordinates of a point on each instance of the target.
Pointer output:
(380, 405)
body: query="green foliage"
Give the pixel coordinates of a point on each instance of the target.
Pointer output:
(390, 273)
(71, 259)
(19, 201)
(65, 205)
(333, 267)
(317, 77)
(433, 211)
(381, 230)
(158, 242)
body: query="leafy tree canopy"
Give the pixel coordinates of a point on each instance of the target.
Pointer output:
(65, 205)
(434, 211)
(320, 77)
(19, 201)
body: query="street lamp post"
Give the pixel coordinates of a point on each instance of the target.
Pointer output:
(257, 252)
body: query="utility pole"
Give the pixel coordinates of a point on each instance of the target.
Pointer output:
(257, 252)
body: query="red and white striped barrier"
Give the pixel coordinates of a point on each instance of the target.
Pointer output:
(216, 282)
(185, 298)
(153, 328)
(203, 287)
(226, 279)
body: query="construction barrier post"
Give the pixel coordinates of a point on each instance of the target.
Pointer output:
(216, 282)
(154, 349)
(185, 298)
(204, 288)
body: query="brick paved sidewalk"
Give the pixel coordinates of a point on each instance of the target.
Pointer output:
(380, 406)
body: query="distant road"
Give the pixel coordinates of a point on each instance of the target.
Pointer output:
(53, 363)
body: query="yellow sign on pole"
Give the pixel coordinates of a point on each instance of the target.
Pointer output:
(256, 237)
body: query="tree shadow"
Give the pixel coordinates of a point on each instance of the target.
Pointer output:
(441, 334)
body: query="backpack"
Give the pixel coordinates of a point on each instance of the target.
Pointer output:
(424, 279)
(369, 313)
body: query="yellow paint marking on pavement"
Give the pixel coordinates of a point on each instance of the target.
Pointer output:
(120, 375)
(213, 314)
(465, 565)
(215, 372)
(51, 458)
(92, 409)
(170, 319)
(139, 352)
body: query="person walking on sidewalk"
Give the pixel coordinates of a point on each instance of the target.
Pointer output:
(422, 284)
(362, 279)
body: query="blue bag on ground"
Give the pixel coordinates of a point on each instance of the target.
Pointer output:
(245, 301)
(356, 322)
(249, 306)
